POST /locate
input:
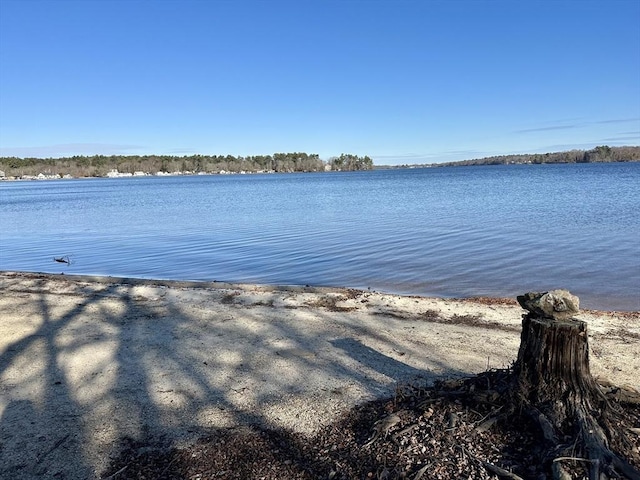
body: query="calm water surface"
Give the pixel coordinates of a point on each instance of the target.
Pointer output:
(459, 231)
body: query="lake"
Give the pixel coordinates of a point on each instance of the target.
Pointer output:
(450, 231)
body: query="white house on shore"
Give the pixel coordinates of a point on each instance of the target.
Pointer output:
(115, 173)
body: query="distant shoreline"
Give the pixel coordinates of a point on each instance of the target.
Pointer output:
(13, 168)
(601, 154)
(140, 174)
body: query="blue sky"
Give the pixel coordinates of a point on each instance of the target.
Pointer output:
(403, 81)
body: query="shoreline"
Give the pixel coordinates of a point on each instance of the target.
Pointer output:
(87, 361)
(501, 160)
(309, 288)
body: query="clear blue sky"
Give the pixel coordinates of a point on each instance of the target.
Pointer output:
(403, 81)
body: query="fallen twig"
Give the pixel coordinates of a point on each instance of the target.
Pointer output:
(500, 471)
(167, 467)
(577, 459)
(410, 428)
(421, 472)
(114, 475)
(493, 468)
(55, 445)
(382, 427)
(559, 473)
(486, 422)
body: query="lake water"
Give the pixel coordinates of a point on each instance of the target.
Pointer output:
(453, 232)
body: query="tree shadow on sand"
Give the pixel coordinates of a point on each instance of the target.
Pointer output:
(41, 423)
(100, 363)
(125, 378)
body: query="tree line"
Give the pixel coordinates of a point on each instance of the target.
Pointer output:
(601, 153)
(101, 165)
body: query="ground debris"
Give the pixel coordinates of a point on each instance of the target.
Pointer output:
(421, 433)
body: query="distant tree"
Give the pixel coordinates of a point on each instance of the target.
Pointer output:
(350, 162)
(602, 153)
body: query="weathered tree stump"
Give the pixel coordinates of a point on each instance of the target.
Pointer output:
(553, 383)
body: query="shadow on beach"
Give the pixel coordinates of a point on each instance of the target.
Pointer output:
(92, 366)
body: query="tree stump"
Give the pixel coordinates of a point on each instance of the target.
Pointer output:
(553, 383)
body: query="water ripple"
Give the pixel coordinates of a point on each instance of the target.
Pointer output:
(448, 231)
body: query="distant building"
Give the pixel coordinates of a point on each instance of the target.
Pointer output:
(115, 173)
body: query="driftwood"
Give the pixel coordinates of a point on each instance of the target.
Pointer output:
(64, 259)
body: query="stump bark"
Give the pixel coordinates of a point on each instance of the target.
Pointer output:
(553, 383)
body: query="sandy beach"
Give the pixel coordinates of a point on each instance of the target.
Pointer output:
(88, 361)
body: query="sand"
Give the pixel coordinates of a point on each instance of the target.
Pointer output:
(88, 361)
